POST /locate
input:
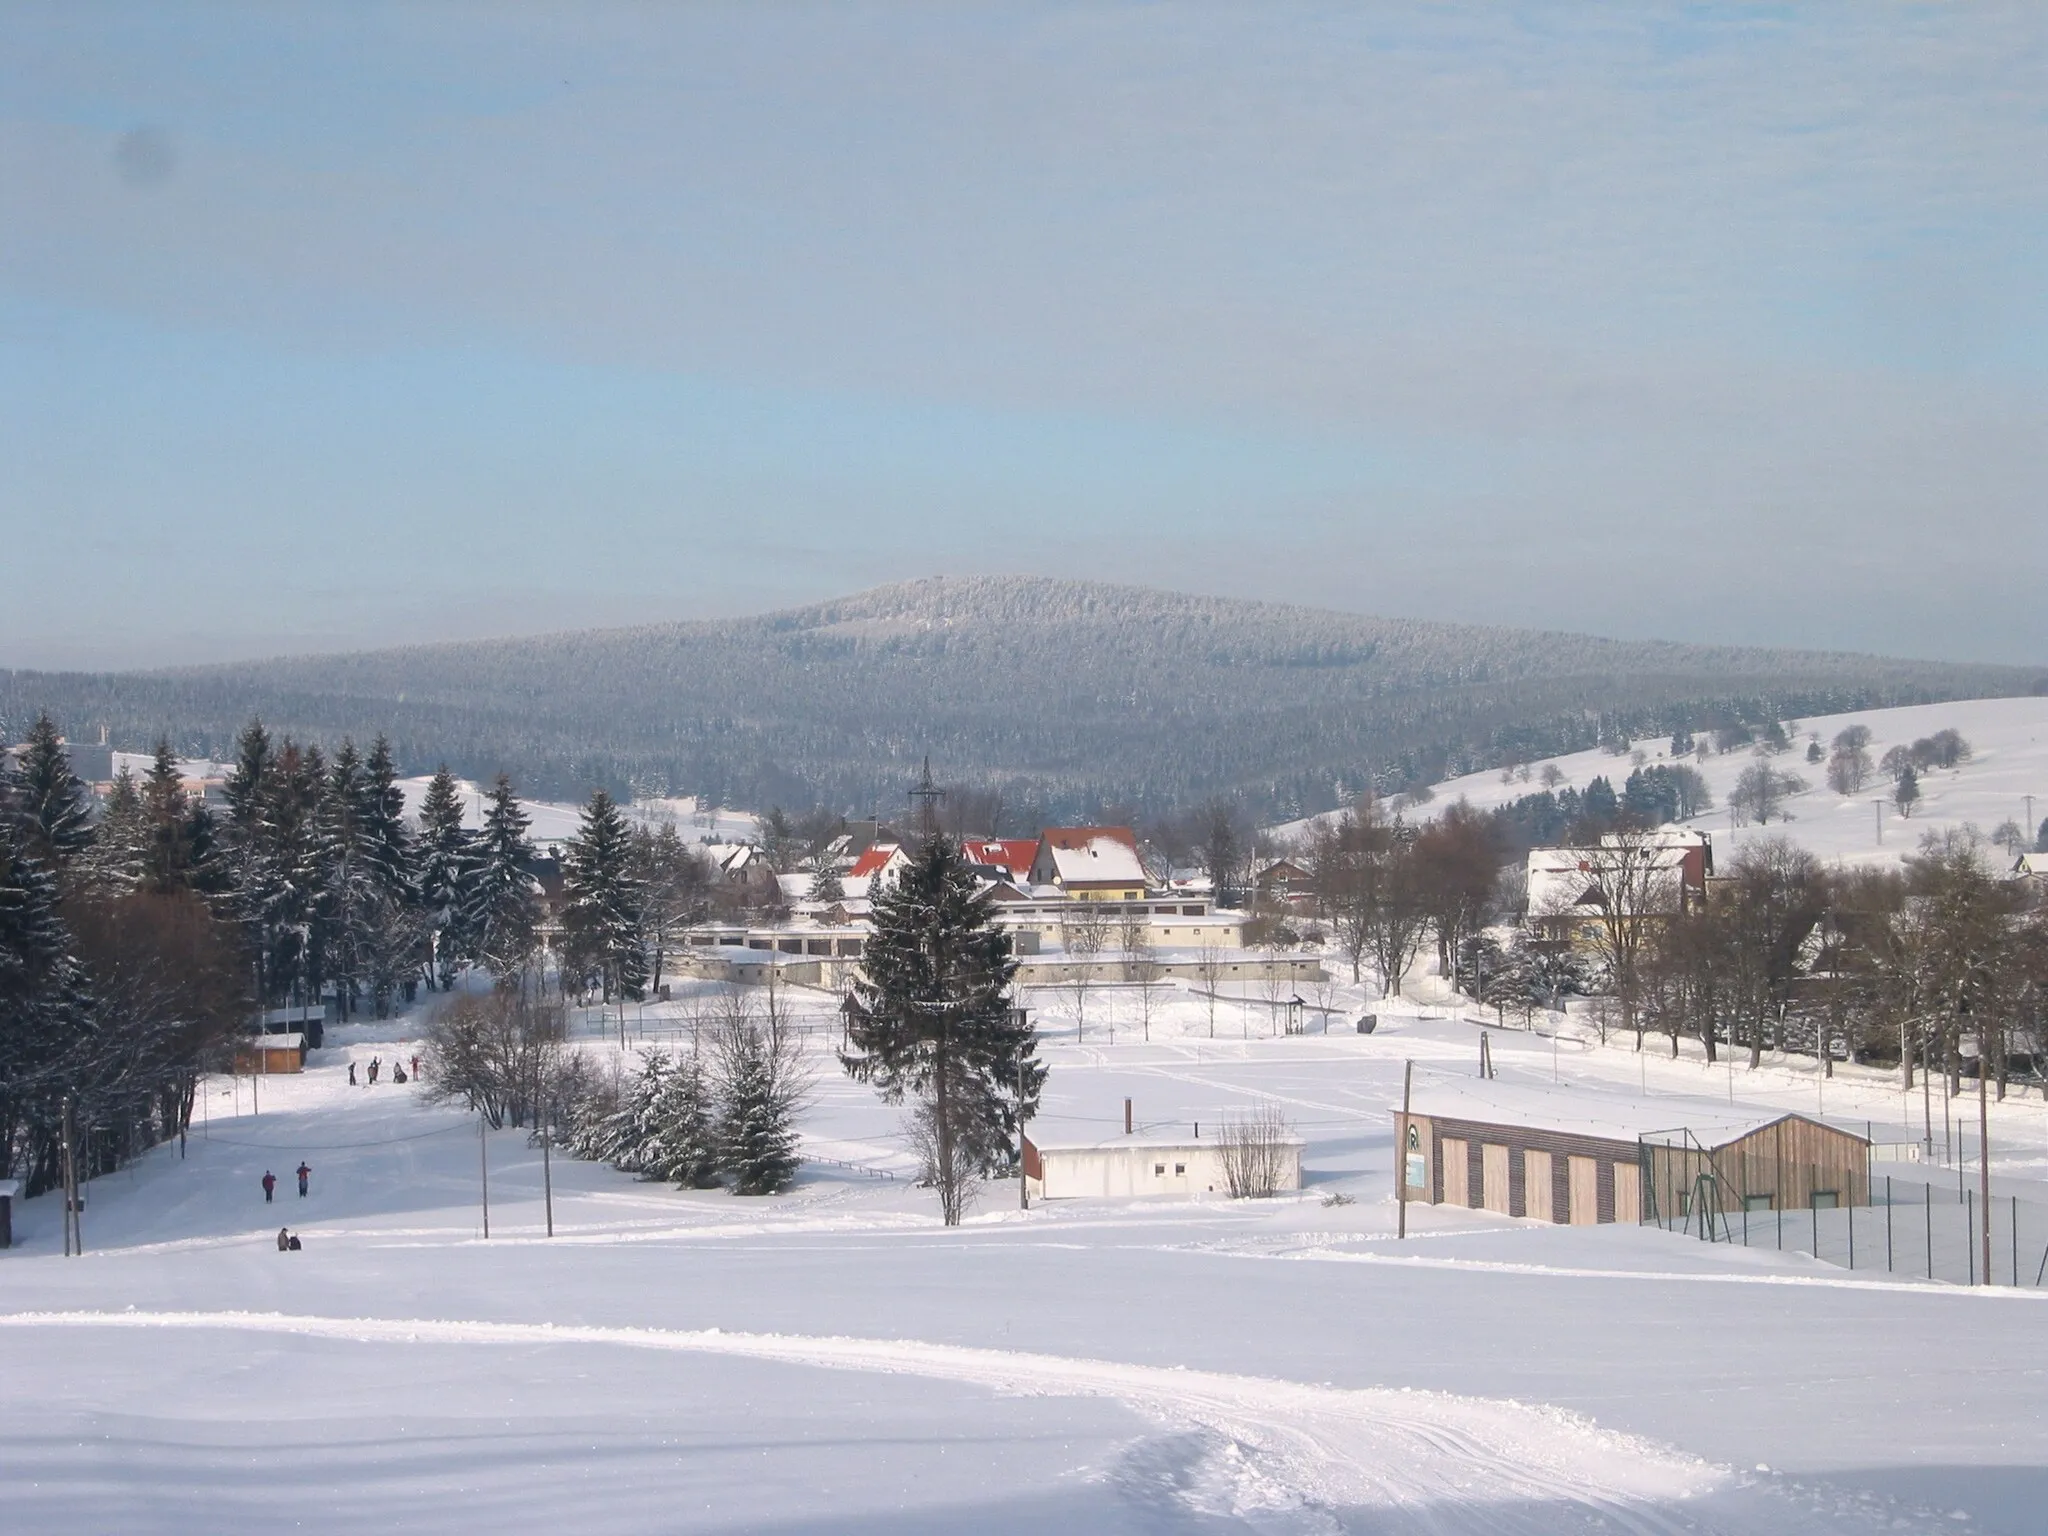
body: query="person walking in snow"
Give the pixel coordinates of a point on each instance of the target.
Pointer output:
(284, 1240)
(352, 1075)
(305, 1173)
(375, 1062)
(269, 1185)
(415, 1066)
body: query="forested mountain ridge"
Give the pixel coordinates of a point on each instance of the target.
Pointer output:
(1067, 695)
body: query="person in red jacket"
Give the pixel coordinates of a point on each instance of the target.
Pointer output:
(269, 1185)
(305, 1173)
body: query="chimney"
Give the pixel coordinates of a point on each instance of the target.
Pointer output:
(1127, 1117)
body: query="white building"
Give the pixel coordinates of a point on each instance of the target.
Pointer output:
(1127, 1167)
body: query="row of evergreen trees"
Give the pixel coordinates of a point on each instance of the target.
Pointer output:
(119, 980)
(136, 943)
(684, 1120)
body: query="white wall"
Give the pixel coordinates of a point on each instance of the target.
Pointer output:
(1124, 1172)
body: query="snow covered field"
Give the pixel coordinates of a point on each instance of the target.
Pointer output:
(2010, 763)
(834, 1360)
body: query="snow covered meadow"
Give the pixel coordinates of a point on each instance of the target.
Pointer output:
(835, 1360)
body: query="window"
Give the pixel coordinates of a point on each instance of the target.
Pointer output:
(1826, 1199)
(1179, 1169)
(1159, 1170)
(1756, 1203)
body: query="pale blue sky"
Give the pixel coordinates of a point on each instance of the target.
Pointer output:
(328, 325)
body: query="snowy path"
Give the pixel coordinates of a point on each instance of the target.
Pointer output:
(1275, 1455)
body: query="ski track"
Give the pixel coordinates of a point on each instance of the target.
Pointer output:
(1277, 1456)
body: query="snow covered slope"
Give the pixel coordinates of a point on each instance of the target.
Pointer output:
(2010, 762)
(835, 1361)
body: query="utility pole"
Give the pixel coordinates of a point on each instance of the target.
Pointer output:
(547, 1177)
(1023, 1187)
(1984, 1144)
(483, 1163)
(1401, 1152)
(926, 795)
(74, 1236)
(1879, 804)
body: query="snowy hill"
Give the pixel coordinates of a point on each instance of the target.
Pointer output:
(2009, 763)
(1066, 695)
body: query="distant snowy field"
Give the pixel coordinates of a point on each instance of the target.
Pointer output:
(2010, 738)
(835, 1361)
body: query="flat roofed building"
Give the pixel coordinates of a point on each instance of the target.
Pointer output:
(1140, 1167)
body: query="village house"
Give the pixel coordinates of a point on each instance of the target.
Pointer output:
(1090, 863)
(1661, 873)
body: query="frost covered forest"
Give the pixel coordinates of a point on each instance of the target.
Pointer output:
(1068, 697)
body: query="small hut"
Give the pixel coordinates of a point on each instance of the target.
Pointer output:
(271, 1054)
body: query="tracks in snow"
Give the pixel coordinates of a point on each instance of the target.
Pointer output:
(1275, 1456)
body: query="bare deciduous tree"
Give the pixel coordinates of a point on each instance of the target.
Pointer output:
(1255, 1147)
(1084, 934)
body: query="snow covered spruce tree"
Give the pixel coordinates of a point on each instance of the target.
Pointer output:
(930, 1019)
(45, 1015)
(502, 914)
(681, 1128)
(51, 801)
(601, 947)
(762, 1084)
(348, 884)
(441, 869)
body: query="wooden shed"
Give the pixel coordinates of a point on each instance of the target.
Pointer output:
(1568, 1156)
(10, 1191)
(271, 1054)
(1787, 1164)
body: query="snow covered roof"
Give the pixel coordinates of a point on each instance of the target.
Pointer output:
(278, 1042)
(1561, 878)
(1579, 1111)
(1150, 1144)
(1089, 856)
(10, 1189)
(872, 860)
(1013, 854)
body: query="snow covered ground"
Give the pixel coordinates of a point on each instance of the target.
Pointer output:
(2010, 737)
(834, 1360)
(555, 821)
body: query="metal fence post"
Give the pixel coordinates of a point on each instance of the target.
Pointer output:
(1887, 1223)
(1970, 1231)
(1929, 1197)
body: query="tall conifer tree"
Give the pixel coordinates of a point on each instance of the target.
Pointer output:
(387, 841)
(601, 903)
(53, 803)
(502, 917)
(44, 1011)
(931, 1020)
(442, 869)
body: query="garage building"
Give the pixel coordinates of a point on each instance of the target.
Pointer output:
(1567, 1156)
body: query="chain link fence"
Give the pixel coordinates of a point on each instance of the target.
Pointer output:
(1910, 1228)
